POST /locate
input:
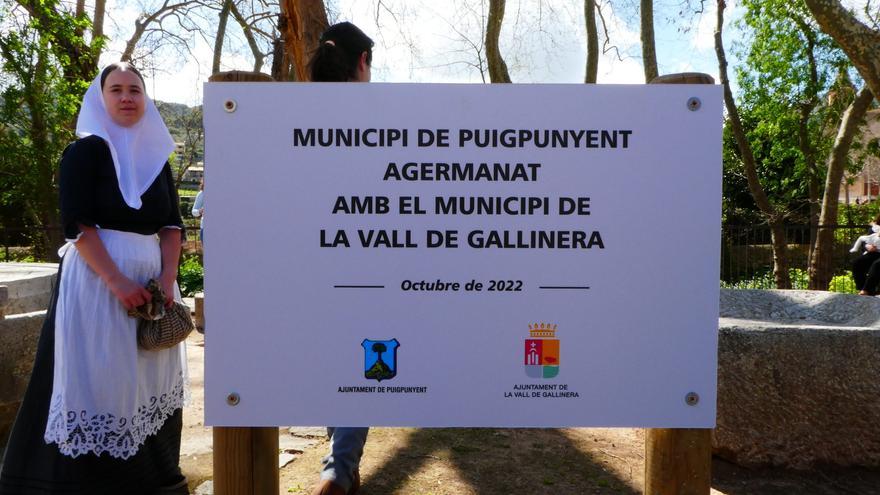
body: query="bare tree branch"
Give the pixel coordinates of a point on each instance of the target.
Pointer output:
(606, 44)
(140, 25)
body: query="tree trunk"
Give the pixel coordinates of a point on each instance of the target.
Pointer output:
(221, 35)
(820, 268)
(860, 42)
(79, 11)
(98, 21)
(813, 192)
(774, 218)
(280, 60)
(780, 253)
(649, 52)
(46, 200)
(80, 60)
(306, 21)
(592, 42)
(805, 144)
(497, 67)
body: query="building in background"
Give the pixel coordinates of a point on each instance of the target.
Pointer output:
(865, 185)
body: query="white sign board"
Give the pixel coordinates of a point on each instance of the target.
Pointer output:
(462, 255)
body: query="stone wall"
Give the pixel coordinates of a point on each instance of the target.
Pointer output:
(798, 379)
(18, 345)
(27, 288)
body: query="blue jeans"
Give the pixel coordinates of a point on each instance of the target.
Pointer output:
(346, 449)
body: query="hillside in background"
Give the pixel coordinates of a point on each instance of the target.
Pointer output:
(179, 118)
(185, 125)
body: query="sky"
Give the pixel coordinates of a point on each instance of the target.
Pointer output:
(542, 41)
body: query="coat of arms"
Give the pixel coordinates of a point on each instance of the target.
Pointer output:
(380, 359)
(542, 351)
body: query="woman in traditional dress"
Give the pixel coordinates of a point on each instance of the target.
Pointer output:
(344, 54)
(100, 415)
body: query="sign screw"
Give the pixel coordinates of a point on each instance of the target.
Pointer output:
(229, 106)
(691, 399)
(233, 399)
(694, 103)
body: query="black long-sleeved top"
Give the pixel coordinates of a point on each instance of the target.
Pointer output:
(90, 194)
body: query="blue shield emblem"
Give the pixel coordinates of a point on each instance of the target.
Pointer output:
(380, 359)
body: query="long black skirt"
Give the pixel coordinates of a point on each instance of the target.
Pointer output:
(31, 466)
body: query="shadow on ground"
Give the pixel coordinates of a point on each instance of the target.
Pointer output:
(494, 461)
(731, 479)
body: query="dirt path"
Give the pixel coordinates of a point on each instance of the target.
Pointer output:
(468, 461)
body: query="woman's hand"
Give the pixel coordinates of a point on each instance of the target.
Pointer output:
(91, 248)
(870, 248)
(167, 284)
(169, 243)
(129, 293)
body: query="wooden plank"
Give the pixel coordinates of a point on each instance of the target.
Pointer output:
(678, 461)
(265, 449)
(233, 461)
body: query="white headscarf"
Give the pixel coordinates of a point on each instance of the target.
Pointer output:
(139, 152)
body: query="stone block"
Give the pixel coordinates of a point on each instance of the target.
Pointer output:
(798, 379)
(18, 345)
(29, 286)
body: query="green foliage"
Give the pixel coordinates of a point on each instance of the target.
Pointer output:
(764, 280)
(853, 214)
(191, 276)
(39, 100)
(17, 255)
(789, 66)
(843, 283)
(799, 280)
(185, 125)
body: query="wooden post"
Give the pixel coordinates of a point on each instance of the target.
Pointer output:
(679, 461)
(199, 318)
(4, 300)
(240, 76)
(245, 459)
(684, 78)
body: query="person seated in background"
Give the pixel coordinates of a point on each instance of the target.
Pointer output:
(863, 240)
(866, 268)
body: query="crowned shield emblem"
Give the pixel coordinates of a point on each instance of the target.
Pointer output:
(380, 359)
(542, 351)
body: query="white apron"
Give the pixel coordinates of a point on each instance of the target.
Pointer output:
(108, 395)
